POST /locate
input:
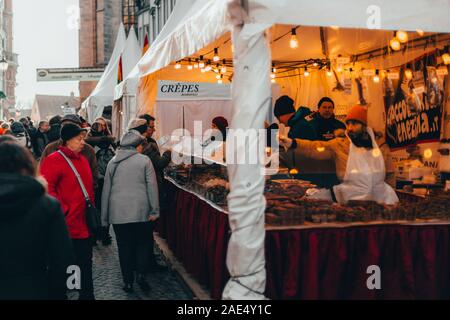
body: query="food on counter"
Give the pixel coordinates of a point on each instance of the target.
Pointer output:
(287, 205)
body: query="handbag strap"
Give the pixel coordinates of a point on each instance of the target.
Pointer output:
(80, 182)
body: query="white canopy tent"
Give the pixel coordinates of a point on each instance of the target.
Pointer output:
(206, 24)
(103, 94)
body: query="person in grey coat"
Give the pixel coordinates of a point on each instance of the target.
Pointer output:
(130, 203)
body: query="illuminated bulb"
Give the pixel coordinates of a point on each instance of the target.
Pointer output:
(306, 73)
(273, 80)
(315, 64)
(376, 78)
(203, 70)
(190, 67)
(293, 171)
(196, 65)
(293, 43)
(320, 149)
(446, 58)
(395, 44)
(420, 32)
(408, 74)
(339, 69)
(376, 153)
(223, 69)
(427, 154)
(208, 67)
(329, 73)
(216, 55)
(402, 36)
(201, 64)
(272, 75)
(178, 65)
(218, 76)
(220, 81)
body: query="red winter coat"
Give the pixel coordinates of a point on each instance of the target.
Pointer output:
(64, 186)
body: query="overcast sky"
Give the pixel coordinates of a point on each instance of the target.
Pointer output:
(45, 36)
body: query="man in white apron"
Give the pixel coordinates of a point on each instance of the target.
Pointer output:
(360, 162)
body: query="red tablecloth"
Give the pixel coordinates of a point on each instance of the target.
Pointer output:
(319, 263)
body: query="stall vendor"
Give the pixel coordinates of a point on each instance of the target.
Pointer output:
(362, 166)
(300, 123)
(324, 121)
(221, 124)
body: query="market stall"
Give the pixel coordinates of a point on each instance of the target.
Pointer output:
(297, 45)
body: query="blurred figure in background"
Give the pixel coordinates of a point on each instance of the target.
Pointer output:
(101, 139)
(20, 133)
(53, 133)
(41, 138)
(36, 248)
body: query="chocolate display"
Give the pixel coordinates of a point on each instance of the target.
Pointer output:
(287, 203)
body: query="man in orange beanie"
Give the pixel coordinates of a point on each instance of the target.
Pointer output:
(363, 165)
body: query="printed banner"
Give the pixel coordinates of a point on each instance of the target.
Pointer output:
(183, 91)
(414, 103)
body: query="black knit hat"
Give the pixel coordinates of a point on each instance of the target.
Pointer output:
(283, 105)
(70, 130)
(72, 118)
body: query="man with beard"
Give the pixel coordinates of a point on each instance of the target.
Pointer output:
(364, 168)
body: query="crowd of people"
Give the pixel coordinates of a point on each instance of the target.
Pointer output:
(53, 177)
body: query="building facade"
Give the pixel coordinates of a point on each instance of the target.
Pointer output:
(99, 23)
(152, 15)
(8, 77)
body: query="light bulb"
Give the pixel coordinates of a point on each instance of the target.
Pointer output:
(376, 77)
(408, 74)
(220, 81)
(402, 36)
(420, 32)
(272, 75)
(306, 73)
(203, 70)
(218, 76)
(273, 81)
(395, 44)
(293, 43)
(208, 67)
(223, 69)
(339, 69)
(216, 55)
(196, 65)
(178, 65)
(446, 58)
(315, 64)
(428, 153)
(329, 73)
(190, 67)
(201, 64)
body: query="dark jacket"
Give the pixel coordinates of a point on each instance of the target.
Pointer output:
(300, 126)
(88, 152)
(160, 162)
(325, 128)
(34, 240)
(99, 140)
(41, 142)
(54, 133)
(64, 186)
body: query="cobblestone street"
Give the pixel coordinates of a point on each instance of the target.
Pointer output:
(165, 285)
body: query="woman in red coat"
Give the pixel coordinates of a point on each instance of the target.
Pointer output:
(64, 186)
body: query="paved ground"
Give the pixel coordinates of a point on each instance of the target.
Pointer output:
(108, 284)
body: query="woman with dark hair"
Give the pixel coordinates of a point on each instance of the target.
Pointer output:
(221, 124)
(35, 244)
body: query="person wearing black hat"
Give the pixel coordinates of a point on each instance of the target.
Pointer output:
(63, 184)
(300, 122)
(88, 152)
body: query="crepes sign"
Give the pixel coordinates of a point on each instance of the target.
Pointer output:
(414, 103)
(172, 90)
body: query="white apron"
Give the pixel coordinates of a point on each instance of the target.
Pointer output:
(364, 177)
